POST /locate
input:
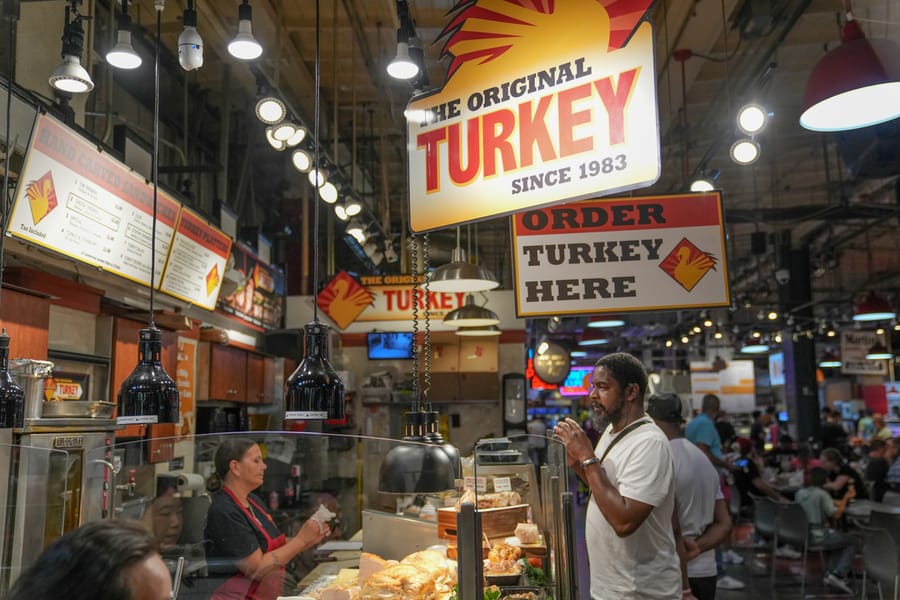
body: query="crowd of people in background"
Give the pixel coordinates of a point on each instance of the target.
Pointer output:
(716, 474)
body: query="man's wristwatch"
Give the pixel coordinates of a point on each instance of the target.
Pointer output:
(590, 461)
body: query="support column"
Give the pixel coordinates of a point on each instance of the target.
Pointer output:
(801, 388)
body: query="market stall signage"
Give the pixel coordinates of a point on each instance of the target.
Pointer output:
(79, 201)
(196, 262)
(544, 103)
(620, 255)
(258, 298)
(854, 347)
(343, 299)
(392, 300)
(735, 384)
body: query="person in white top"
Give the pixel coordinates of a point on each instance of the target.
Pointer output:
(699, 502)
(629, 528)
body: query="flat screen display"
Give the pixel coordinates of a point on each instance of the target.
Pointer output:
(776, 368)
(389, 345)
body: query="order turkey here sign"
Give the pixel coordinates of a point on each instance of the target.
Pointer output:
(620, 255)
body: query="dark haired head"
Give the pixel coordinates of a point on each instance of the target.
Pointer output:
(710, 404)
(818, 476)
(231, 448)
(832, 455)
(625, 369)
(88, 563)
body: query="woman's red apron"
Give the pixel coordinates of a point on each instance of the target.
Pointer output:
(241, 587)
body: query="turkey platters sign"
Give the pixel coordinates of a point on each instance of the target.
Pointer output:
(621, 254)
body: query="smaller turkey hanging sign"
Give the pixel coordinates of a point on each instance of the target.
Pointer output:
(621, 255)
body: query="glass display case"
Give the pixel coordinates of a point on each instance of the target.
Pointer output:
(302, 472)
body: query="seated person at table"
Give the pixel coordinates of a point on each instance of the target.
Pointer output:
(892, 495)
(805, 461)
(781, 455)
(877, 469)
(747, 476)
(819, 507)
(882, 431)
(841, 475)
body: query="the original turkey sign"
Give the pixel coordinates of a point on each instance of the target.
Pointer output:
(621, 254)
(544, 103)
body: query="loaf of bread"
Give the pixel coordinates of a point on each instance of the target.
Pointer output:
(527, 533)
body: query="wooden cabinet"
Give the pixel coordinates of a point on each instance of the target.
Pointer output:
(227, 373)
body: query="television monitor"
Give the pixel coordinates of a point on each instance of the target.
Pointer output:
(389, 345)
(776, 368)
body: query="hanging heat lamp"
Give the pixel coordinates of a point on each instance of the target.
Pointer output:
(423, 462)
(873, 307)
(148, 395)
(314, 391)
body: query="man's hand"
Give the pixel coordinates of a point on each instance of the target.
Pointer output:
(691, 549)
(578, 446)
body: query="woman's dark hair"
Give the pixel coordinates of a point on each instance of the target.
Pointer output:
(88, 563)
(231, 448)
(833, 455)
(625, 369)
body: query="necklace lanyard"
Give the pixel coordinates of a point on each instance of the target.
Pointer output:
(625, 431)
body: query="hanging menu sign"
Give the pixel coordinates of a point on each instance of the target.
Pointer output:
(544, 102)
(621, 254)
(81, 202)
(197, 261)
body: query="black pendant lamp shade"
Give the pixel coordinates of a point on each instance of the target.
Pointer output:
(432, 419)
(314, 391)
(12, 397)
(148, 395)
(416, 468)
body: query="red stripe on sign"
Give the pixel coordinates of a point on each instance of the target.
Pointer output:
(622, 214)
(200, 232)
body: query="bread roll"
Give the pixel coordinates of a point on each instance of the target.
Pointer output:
(399, 582)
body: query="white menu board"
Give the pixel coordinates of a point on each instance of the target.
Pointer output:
(197, 261)
(733, 381)
(81, 202)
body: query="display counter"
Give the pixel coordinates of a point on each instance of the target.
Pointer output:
(346, 477)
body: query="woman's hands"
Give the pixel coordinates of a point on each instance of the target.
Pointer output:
(312, 532)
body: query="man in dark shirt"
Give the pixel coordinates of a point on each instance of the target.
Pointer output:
(877, 469)
(833, 433)
(841, 475)
(747, 477)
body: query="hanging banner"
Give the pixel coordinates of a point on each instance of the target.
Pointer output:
(392, 300)
(621, 255)
(854, 347)
(197, 261)
(78, 201)
(186, 380)
(258, 298)
(544, 102)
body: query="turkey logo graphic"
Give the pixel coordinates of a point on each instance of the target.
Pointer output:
(545, 101)
(41, 195)
(343, 299)
(687, 264)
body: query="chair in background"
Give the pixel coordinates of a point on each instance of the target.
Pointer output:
(765, 516)
(879, 560)
(792, 527)
(887, 520)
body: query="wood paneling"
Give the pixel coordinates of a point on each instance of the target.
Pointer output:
(26, 318)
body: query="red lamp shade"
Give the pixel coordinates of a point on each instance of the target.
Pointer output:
(854, 85)
(873, 308)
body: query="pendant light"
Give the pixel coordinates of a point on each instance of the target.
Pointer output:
(857, 84)
(471, 315)
(459, 275)
(879, 351)
(424, 462)
(873, 307)
(483, 331)
(190, 44)
(244, 46)
(829, 360)
(69, 76)
(148, 395)
(122, 55)
(314, 391)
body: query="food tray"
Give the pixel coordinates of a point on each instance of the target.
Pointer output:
(78, 409)
(495, 522)
(506, 591)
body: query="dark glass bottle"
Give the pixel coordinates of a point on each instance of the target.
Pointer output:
(12, 398)
(314, 391)
(149, 395)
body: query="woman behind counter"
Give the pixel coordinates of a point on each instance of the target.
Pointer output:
(244, 539)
